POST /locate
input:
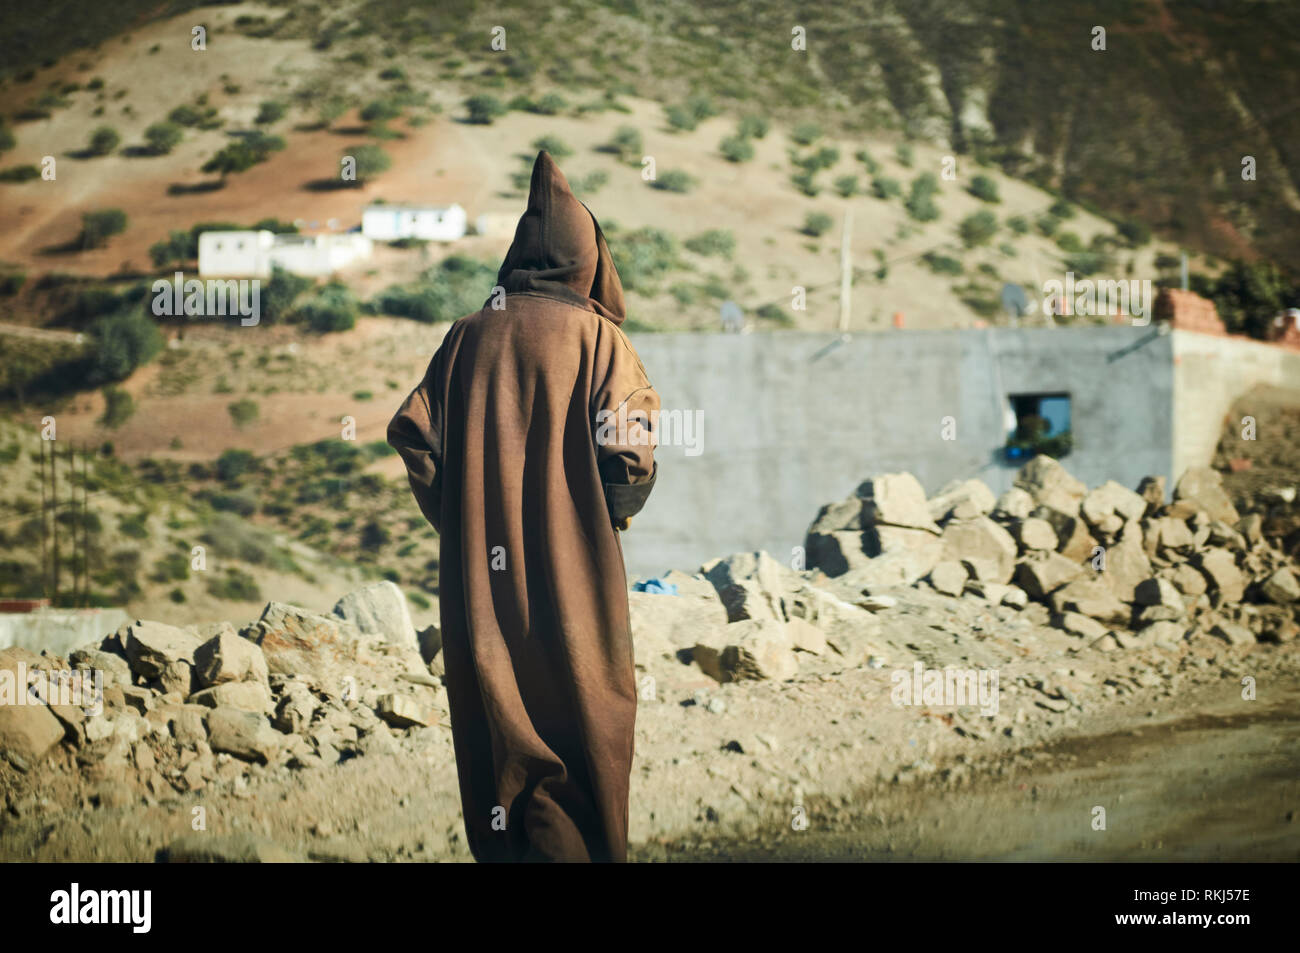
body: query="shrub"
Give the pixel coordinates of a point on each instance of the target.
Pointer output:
(550, 105)
(626, 143)
(556, 146)
(103, 141)
(1018, 225)
(457, 286)
(978, 229)
(1061, 209)
(752, 127)
(716, 241)
(270, 111)
(984, 189)
(920, 201)
(806, 133)
(236, 585)
(817, 224)
(7, 140)
(591, 182)
(679, 117)
(243, 412)
(736, 149)
(942, 264)
(674, 181)
(905, 155)
(371, 161)
(1135, 233)
(776, 314)
(863, 156)
(163, 137)
(1069, 242)
(806, 182)
(847, 185)
(232, 464)
(885, 188)
(483, 109)
(118, 407)
(334, 308)
(20, 173)
(205, 118)
(98, 226)
(643, 257)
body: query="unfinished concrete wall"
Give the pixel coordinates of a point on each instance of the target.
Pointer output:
(794, 420)
(59, 630)
(1210, 374)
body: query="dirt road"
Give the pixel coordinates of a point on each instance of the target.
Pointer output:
(1221, 785)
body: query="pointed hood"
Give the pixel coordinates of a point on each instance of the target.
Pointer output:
(559, 249)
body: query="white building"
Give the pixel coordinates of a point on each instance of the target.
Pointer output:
(429, 222)
(253, 254)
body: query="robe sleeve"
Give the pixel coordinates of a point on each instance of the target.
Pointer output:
(624, 409)
(415, 432)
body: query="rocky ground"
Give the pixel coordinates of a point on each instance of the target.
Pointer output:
(1144, 652)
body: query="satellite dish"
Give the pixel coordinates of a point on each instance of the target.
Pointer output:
(1014, 301)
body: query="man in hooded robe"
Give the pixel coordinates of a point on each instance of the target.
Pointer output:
(529, 444)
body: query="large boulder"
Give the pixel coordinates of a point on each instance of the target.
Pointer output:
(844, 516)
(379, 609)
(962, 499)
(244, 734)
(228, 658)
(752, 585)
(1281, 587)
(1051, 485)
(1127, 565)
(836, 553)
(758, 649)
(899, 556)
(1112, 502)
(895, 499)
(28, 729)
(1090, 597)
(1015, 504)
(163, 653)
(1042, 576)
(1220, 570)
(983, 539)
(1203, 487)
(295, 641)
(663, 624)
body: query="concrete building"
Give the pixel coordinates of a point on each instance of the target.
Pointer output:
(793, 420)
(435, 223)
(253, 254)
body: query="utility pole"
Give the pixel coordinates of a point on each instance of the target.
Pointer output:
(54, 523)
(846, 269)
(45, 531)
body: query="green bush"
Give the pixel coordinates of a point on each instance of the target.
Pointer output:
(119, 343)
(806, 182)
(776, 314)
(752, 127)
(1018, 225)
(1061, 209)
(905, 155)
(984, 189)
(163, 137)
(550, 104)
(863, 156)
(715, 241)
(885, 188)
(817, 224)
(942, 264)
(243, 412)
(235, 585)
(270, 111)
(455, 287)
(334, 308)
(626, 144)
(1069, 242)
(920, 201)
(643, 258)
(103, 141)
(98, 226)
(233, 464)
(205, 118)
(978, 229)
(7, 140)
(118, 407)
(736, 149)
(20, 173)
(483, 108)
(674, 181)
(556, 146)
(806, 133)
(371, 161)
(847, 185)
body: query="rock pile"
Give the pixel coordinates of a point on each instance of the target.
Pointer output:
(1114, 566)
(181, 707)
